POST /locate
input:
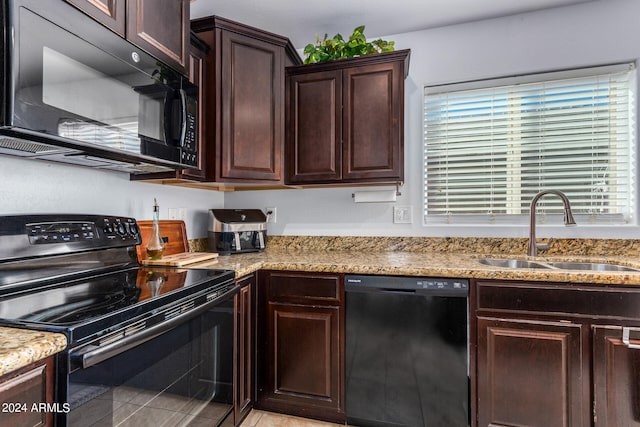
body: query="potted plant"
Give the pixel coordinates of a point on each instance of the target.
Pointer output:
(338, 48)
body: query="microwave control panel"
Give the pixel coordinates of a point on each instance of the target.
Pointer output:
(189, 152)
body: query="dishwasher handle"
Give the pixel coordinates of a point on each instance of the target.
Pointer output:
(351, 288)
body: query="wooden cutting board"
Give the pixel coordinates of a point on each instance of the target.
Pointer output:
(172, 232)
(179, 260)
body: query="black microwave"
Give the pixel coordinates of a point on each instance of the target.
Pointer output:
(75, 92)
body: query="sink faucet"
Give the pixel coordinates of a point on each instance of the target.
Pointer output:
(568, 219)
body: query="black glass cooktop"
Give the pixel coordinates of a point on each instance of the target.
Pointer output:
(85, 306)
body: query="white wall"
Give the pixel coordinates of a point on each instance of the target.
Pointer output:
(30, 186)
(587, 34)
(594, 33)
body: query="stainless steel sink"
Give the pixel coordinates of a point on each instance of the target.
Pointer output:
(555, 265)
(511, 263)
(591, 266)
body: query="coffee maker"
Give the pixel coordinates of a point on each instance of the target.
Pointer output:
(234, 231)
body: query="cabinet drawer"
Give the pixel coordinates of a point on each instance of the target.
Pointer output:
(304, 288)
(564, 299)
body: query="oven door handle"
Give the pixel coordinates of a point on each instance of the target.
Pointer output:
(91, 355)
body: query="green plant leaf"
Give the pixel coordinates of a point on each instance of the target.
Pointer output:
(336, 47)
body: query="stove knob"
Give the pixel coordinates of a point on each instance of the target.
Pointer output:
(108, 229)
(121, 230)
(134, 229)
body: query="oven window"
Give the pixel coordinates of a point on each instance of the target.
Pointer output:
(181, 377)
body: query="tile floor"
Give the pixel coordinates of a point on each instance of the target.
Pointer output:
(130, 406)
(269, 419)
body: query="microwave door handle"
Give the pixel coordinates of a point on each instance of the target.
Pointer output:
(183, 105)
(236, 238)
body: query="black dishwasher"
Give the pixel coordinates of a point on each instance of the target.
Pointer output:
(407, 351)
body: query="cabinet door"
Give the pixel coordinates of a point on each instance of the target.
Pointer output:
(314, 148)
(616, 368)
(110, 13)
(303, 355)
(530, 373)
(373, 105)
(19, 391)
(161, 27)
(245, 355)
(252, 140)
(301, 344)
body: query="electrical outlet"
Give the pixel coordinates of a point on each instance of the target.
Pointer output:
(402, 215)
(177, 213)
(271, 215)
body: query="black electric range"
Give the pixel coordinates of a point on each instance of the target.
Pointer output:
(154, 334)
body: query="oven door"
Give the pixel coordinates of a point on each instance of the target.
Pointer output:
(182, 376)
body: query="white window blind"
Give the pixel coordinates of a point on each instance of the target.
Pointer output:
(490, 146)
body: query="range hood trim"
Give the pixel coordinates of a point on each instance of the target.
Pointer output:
(67, 151)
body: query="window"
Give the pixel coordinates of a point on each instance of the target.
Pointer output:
(490, 146)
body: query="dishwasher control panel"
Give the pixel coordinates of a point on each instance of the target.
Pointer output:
(406, 284)
(442, 284)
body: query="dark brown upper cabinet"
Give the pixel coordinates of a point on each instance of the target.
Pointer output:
(160, 27)
(110, 13)
(345, 120)
(244, 101)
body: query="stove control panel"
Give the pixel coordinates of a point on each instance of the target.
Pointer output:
(116, 228)
(61, 232)
(103, 230)
(39, 235)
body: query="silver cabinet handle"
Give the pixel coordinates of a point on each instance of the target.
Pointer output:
(626, 340)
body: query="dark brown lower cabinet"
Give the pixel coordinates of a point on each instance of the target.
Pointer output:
(22, 389)
(302, 353)
(616, 370)
(530, 373)
(245, 372)
(555, 354)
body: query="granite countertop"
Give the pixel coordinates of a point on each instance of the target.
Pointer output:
(383, 256)
(458, 265)
(21, 347)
